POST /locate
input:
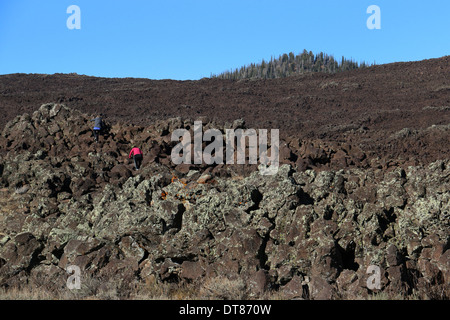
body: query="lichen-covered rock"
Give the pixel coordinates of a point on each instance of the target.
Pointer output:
(306, 233)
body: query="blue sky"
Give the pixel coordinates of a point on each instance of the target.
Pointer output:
(190, 39)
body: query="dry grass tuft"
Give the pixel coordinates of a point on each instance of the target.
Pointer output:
(223, 288)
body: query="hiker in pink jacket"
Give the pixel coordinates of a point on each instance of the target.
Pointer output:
(137, 156)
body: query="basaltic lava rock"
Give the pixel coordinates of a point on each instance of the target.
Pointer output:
(303, 232)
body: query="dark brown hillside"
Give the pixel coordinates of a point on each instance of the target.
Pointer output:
(369, 107)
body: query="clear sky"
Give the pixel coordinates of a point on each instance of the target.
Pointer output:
(190, 39)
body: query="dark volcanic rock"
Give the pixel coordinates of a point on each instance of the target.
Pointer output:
(305, 233)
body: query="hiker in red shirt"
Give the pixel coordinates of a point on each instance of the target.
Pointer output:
(137, 156)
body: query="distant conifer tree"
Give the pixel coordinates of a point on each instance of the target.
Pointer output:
(290, 64)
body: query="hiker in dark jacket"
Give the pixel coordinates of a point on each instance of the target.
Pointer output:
(97, 126)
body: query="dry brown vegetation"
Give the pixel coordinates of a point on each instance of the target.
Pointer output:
(218, 288)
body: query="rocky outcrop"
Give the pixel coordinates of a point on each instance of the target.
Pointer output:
(304, 233)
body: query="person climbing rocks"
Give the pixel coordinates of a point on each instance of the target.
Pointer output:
(97, 126)
(137, 156)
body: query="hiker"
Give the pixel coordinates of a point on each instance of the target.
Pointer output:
(97, 126)
(137, 156)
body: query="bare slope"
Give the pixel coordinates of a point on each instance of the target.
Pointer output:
(391, 111)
